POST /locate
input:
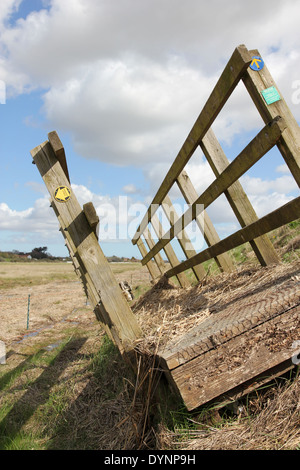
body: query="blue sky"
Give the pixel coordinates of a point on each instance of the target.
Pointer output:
(122, 82)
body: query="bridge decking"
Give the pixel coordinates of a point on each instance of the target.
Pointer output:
(241, 342)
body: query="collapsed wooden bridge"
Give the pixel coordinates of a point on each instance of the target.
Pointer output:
(252, 337)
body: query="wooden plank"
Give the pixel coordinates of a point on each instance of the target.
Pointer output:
(204, 223)
(59, 151)
(284, 215)
(157, 258)
(242, 313)
(115, 311)
(255, 383)
(152, 267)
(289, 143)
(92, 217)
(234, 70)
(238, 360)
(183, 239)
(256, 149)
(237, 199)
(80, 270)
(170, 253)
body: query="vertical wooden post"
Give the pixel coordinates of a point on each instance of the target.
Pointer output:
(237, 199)
(112, 305)
(83, 275)
(209, 233)
(92, 217)
(183, 239)
(169, 251)
(157, 258)
(152, 267)
(59, 151)
(289, 143)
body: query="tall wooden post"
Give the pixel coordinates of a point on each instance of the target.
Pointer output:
(108, 301)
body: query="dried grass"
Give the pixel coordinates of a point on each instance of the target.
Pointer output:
(272, 423)
(175, 310)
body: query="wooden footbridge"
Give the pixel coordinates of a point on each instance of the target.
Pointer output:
(249, 339)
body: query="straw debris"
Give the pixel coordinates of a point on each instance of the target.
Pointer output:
(176, 310)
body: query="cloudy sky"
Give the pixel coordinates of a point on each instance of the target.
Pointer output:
(122, 82)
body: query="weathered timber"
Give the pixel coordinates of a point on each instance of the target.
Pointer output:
(275, 219)
(234, 319)
(237, 199)
(203, 221)
(255, 383)
(152, 267)
(92, 217)
(289, 143)
(221, 369)
(170, 253)
(257, 148)
(158, 259)
(80, 270)
(247, 336)
(59, 151)
(234, 70)
(183, 239)
(115, 311)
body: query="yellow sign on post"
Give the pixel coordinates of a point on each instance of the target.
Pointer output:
(62, 194)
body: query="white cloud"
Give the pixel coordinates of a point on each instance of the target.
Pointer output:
(127, 79)
(283, 169)
(283, 185)
(7, 7)
(130, 189)
(39, 218)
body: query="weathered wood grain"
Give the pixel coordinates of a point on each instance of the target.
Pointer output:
(238, 360)
(92, 217)
(170, 253)
(115, 311)
(183, 239)
(158, 259)
(233, 320)
(152, 267)
(59, 151)
(289, 143)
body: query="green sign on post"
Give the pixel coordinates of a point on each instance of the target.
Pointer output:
(271, 95)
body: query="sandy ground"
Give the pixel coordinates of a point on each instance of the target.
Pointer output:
(51, 302)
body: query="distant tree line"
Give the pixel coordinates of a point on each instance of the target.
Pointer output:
(37, 253)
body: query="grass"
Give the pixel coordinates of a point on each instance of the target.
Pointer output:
(32, 273)
(19, 274)
(82, 395)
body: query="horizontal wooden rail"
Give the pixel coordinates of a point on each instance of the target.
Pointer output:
(233, 72)
(255, 150)
(285, 214)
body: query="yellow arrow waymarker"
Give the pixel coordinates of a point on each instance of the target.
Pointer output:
(255, 61)
(62, 194)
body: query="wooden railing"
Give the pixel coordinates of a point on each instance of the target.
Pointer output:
(281, 129)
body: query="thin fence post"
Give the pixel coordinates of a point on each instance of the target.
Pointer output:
(28, 310)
